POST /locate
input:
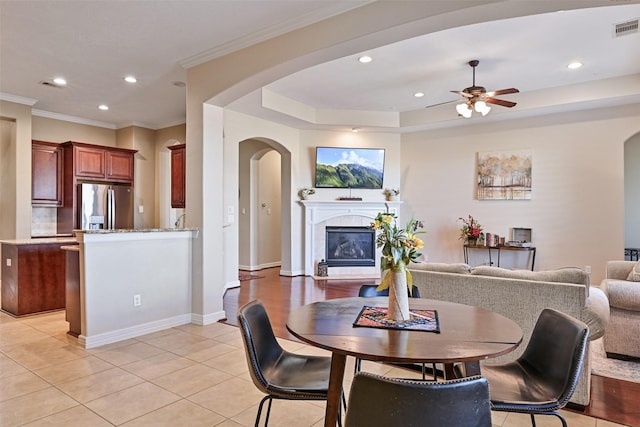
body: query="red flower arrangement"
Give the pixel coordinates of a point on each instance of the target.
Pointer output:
(471, 229)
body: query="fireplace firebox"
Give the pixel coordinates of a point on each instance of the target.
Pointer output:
(350, 246)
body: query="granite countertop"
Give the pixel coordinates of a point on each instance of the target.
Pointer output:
(40, 241)
(142, 230)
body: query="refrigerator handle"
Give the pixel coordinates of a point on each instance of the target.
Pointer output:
(110, 209)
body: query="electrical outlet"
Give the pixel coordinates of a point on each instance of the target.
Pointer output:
(137, 301)
(587, 269)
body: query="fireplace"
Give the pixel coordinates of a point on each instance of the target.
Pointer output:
(320, 214)
(350, 246)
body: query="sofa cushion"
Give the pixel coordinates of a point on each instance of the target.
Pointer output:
(563, 275)
(634, 275)
(596, 313)
(442, 267)
(624, 294)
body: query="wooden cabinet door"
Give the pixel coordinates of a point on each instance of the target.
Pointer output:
(89, 162)
(119, 166)
(178, 175)
(46, 174)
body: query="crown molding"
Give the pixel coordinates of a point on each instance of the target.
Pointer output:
(73, 119)
(17, 99)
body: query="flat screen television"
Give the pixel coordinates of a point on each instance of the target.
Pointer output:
(339, 167)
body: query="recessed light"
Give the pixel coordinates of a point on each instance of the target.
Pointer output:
(418, 94)
(103, 107)
(60, 81)
(574, 65)
(355, 129)
(365, 59)
(130, 79)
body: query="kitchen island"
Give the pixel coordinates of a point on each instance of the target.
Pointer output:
(133, 282)
(33, 275)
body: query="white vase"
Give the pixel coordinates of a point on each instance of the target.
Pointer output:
(398, 297)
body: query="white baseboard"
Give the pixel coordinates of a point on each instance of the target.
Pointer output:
(133, 331)
(207, 319)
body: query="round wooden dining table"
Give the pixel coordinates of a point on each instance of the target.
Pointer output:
(467, 334)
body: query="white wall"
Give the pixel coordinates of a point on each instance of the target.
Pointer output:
(154, 265)
(269, 209)
(632, 192)
(577, 206)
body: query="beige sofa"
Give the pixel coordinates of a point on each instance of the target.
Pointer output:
(623, 332)
(520, 295)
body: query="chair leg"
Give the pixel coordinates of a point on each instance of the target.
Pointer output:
(264, 399)
(533, 420)
(266, 420)
(557, 414)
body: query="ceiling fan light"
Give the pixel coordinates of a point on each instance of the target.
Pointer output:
(464, 110)
(482, 107)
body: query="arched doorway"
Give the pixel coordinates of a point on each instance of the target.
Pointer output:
(261, 206)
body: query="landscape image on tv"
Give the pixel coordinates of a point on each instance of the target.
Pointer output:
(349, 167)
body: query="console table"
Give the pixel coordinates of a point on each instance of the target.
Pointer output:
(498, 249)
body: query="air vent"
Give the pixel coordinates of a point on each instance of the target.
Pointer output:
(50, 84)
(625, 28)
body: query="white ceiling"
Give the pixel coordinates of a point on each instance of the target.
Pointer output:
(94, 44)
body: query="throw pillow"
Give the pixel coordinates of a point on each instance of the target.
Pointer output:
(634, 275)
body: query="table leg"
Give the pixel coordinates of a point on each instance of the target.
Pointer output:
(334, 394)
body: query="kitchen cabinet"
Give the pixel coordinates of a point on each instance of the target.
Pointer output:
(178, 175)
(90, 163)
(46, 174)
(33, 275)
(103, 163)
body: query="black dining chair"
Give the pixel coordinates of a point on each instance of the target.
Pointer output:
(377, 401)
(274, 371)
(369, 291)
(543, 378)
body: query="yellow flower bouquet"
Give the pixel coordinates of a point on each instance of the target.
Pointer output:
(399, 246)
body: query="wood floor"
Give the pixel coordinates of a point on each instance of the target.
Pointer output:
(611, 399)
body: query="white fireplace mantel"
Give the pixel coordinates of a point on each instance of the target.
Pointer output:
(322, 212)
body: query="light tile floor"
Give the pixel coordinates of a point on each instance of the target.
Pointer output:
(185, 376)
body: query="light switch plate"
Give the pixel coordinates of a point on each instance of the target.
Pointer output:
(8, 262)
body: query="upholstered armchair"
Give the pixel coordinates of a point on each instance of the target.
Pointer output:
(622, 286)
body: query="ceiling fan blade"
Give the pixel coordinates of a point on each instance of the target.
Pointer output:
(463, 94)
(503, 91)
(442, 103)
(500, 102)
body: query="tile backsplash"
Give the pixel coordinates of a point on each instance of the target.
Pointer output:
(43, 221)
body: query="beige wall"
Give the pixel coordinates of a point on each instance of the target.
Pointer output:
(18, 178)
(7, 178)
(577, 205)
(47, 129)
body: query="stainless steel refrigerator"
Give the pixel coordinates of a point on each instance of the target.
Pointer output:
(105, 206)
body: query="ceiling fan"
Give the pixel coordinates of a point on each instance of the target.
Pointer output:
(477, 97)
